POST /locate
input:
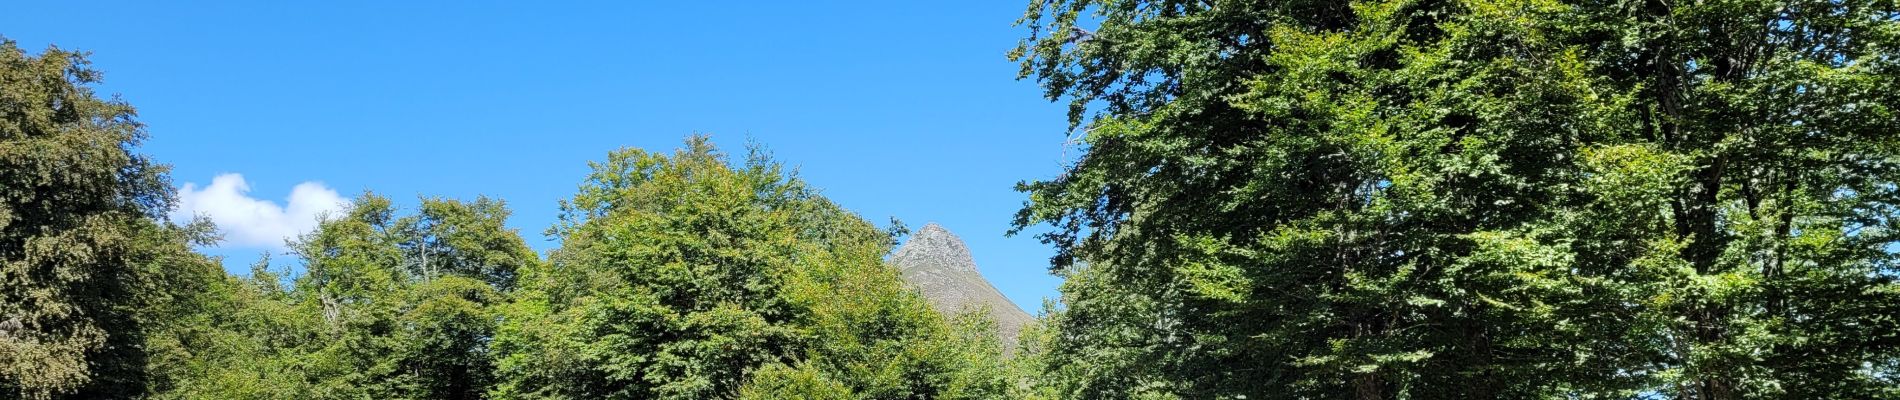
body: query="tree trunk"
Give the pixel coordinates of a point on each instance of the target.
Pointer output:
(1368, 386)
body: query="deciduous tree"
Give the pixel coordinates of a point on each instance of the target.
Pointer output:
(1494, 199)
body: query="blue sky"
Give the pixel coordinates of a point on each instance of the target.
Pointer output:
(905, 109)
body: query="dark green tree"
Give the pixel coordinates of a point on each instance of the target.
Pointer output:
(87, 271)
(1765, 133)
(1489, 199)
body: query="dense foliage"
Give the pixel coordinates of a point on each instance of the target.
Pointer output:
(1298, 199)
(678, 276)
(682, 277)
(386, 307)
(1473, 199)
(86, 270)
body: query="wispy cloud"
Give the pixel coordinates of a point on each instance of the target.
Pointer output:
(250, 222)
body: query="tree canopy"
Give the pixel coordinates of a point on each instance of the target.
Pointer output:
(681, 276)
(1368, 199)
(1489, 199)
(86, 270)
(678, 276)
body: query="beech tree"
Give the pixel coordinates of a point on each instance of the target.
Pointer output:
(87, 271)
(369, 313)
(1485, 199)
(684, 276)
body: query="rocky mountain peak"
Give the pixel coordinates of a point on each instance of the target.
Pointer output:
(939, 266)
(933, 247)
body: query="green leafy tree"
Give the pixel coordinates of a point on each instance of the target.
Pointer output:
(238, 341)
(444, 349)
(778, 381)
(682, 276)
(409, 302)
(87, 271)
(1491, 199)
(370, 316)
(1760, 136)
(466, 239)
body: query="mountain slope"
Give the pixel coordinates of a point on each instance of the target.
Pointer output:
(939, 265)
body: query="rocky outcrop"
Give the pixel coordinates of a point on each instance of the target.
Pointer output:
(938, 264)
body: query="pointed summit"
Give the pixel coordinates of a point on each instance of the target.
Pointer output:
(939, 265)
(933, 247)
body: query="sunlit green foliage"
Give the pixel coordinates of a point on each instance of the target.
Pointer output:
(369, 316)
(681, 276)
(677, 277)
(1473, 199)
(1286, 199)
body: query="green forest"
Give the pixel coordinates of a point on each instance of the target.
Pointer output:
(1288, 199)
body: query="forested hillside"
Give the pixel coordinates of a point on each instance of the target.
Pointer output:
(1404, 199)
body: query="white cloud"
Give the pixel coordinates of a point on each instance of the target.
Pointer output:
(246, 221)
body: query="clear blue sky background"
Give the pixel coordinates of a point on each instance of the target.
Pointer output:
(905, 109)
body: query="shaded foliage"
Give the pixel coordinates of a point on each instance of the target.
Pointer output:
(86, 270)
